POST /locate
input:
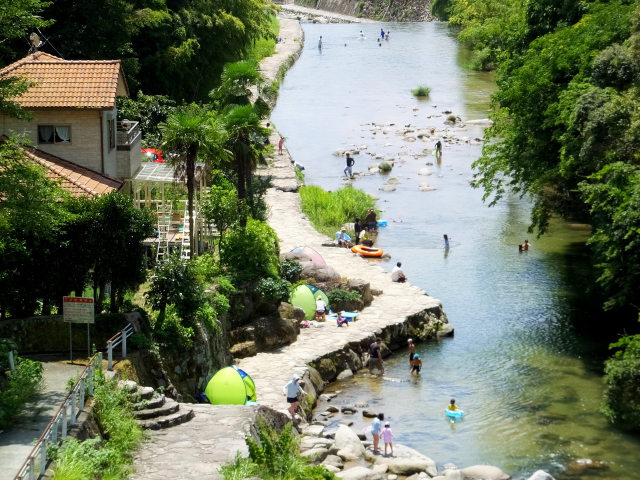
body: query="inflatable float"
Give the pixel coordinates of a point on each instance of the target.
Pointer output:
(454, 413)
(367, 251)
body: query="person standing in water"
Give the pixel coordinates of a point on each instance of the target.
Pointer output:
(382, 33)
(348, 171)
(320, 43)
(438, 148)
(446, 240)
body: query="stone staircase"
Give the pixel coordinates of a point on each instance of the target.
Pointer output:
(153, 410)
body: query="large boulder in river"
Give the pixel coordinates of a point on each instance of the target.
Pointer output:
(407, 461)
(541, 475)
(347, 440)
(360, 473)
(484, 472)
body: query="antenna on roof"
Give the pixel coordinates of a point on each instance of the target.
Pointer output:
(34, 40)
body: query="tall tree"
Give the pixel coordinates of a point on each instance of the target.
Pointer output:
(191, 133)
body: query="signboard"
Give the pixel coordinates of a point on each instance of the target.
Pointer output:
(78, 309)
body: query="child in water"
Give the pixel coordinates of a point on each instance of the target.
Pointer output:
(416, 364)
(452, 406)
(387, 438)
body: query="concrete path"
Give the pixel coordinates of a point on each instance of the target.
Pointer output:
(17, 442)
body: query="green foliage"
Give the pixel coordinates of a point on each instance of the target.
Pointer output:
(140, 341)
(274, 456)
(385, 167)
(566, 130)
(222, 208)
(170, 329)
(622, 377)
(421, 91)
(12, 87)
(273, 290)
(175, 282)
(613, 195)
(328, 211)
(290, 270)
(150, 111)
(17, 387)
(251, 252)
(440, 9)
(341, 299)
(265, 46)
(109, 457)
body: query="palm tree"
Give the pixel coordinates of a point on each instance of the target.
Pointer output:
(245, 141)
(238, 83)
(190, 133)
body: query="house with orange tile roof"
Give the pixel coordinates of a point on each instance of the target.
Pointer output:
(74, 129)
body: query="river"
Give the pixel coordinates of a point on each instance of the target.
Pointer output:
(528, 378)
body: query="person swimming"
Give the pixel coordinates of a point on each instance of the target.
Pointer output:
(452, 405)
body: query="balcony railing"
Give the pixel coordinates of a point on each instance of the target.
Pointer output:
(127, 133)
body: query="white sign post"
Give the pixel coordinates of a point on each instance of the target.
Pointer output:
(78, 310)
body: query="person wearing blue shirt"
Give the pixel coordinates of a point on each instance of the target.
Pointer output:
(376, 430)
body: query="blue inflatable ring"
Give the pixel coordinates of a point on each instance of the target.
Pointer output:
(454, 413)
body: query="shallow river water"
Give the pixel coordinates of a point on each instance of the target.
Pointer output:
(530, 383)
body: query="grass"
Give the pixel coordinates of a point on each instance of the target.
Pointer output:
(299, 175)
(108, 457)
(265, 46)
(421, 91)
(328, 211)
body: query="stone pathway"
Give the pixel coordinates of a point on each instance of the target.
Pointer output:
(195, 450)
(16, 443)
(330, 16)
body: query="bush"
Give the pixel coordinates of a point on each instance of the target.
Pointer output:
(421, 91)
(273, 290)
(140, 341)
(622, 378)
(328, 211)
(251, 252)
(19, 386)
(171, 330)
(108, 457)
(340, 299)
(274, 456)
(385, 167)
(290, 270)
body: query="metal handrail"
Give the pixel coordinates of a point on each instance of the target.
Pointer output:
(56, 430)
(117, 339)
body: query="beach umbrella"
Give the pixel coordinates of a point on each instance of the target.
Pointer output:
(231, 386)
(309, 252)
(304, 296)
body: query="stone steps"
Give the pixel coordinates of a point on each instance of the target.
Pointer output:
(182, 416)
(154, 411)
(169, 407)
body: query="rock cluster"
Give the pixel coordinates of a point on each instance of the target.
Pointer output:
(341, 451)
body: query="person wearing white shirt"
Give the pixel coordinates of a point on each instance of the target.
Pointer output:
(397, 275)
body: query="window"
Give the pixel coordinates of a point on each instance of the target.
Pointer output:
(111, 122)
(54, 134)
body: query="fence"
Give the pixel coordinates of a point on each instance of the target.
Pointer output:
(117, 339)
(67, 415)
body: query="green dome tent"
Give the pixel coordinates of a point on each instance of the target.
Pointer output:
(304, 296)
(231, 386)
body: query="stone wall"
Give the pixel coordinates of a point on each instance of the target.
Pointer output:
(386, 10)
(50, 334)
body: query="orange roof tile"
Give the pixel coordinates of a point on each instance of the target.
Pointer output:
(77, 180)
(63, 83)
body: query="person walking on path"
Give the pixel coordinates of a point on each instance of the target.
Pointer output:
(291, 390)
(375, 357)
(348, 171)
(280, 145)
(387, 438)
(376, 430)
